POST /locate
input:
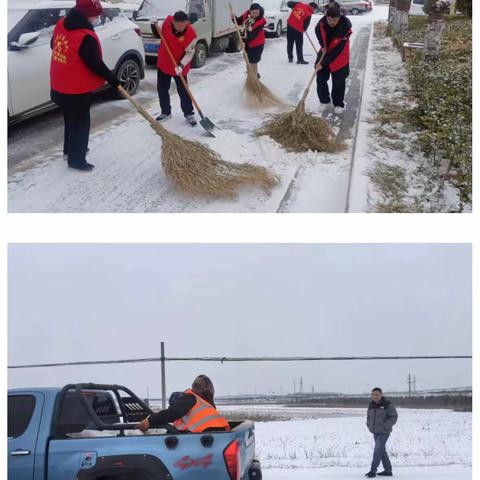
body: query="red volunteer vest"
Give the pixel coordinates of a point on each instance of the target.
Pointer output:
(260, 38)
(300, 13)
(68, 72)
(177, 46)
(344, 58)
(200, 417)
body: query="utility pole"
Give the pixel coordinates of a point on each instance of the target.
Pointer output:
(414, 383)
(294, 387)
(301, 385)
(164, 384)
(409, 385)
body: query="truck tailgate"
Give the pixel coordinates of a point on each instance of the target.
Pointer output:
(186, 456)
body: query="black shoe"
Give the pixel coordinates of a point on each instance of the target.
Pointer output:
(371, 475)
(290, 60)
(385, 474)
(302, 62)
(65, 155)
(86, 167)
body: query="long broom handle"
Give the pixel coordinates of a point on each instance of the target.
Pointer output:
(311, 42)
(305, 93)
(139, 108)
(242, 44)
(185, 84)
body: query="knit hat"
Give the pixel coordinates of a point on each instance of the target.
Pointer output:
(255, 6)
(89, 8)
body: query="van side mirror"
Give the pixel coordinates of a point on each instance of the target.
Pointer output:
(193, 17)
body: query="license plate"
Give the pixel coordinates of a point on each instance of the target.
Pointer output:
(151, 47)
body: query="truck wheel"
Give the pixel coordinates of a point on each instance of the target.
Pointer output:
(233, 44)
(200, 56)
(128, 74)
(278, 31)
(355, 11)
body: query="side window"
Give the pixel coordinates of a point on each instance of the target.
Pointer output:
(198, 7)
(42, 21)
(20, 411)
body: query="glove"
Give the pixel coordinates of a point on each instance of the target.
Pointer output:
(179, 69)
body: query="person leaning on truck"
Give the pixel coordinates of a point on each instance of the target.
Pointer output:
(297, 25)
(381, 417)
(253, 23)
(190, 411)
(77, 70)
(180, 37)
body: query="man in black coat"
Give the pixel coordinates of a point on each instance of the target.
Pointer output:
(381, 417)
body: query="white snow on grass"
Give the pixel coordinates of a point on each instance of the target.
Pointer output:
(128, 176)
(338, 437)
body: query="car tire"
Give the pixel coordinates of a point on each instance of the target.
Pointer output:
(150, 60)
(233, 44)
(200, 57)
(354, 11)
(278, 31)
(128, 74)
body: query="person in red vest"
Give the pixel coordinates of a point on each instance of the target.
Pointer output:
(298, 23)
(253, 22)
(77, 70)
(190, 411)
(333, 32)
(180, 37)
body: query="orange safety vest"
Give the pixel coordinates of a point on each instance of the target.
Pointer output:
(200, 417)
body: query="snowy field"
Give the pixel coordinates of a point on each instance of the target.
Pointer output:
(334, 443)
(128, 176)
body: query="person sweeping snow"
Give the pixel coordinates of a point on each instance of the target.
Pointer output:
(77, 70)
(252, 22)
(297, 24)
(180, 37)
(333, 32)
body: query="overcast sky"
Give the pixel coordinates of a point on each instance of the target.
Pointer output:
(94, 302)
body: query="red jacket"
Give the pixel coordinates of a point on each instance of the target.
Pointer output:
(68, 72)
(177, 45)
(300, 12)
(259, 38)
(334, 59)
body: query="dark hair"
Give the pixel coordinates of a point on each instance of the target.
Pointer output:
(314, 5)
(377, 389)
(180, 16)
(333, 12)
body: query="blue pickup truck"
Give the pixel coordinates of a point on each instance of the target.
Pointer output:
(87, 432)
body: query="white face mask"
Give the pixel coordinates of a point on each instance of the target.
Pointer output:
(95, 21)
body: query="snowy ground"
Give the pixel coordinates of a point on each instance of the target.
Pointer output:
(334, 443)
(126, 152)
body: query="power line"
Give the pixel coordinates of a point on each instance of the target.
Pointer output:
(242, 359)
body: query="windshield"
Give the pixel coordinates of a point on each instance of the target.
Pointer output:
(153, 9)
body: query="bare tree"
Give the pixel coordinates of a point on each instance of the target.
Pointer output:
(400, 20)
(435, 28)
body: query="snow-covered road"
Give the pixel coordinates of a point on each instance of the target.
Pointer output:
(128, 176)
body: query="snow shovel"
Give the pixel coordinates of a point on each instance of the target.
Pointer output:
(205, 122)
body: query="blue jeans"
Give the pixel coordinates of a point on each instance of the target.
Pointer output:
(380, 453)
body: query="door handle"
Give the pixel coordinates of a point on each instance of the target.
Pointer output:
(20, 453)
(116, 36)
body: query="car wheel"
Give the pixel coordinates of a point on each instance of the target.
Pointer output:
(278, 32)
(128, 75)
(355, 11)
(233, 44)
(200, 56)
(150, 60)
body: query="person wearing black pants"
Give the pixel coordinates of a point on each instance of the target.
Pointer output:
(297, 24)
(333, 32)
(77, 70)
(163, 86)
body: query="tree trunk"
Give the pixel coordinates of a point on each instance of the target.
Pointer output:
(400, 21)
(435, 29)
(391, 10)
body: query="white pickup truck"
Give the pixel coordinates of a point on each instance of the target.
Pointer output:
(210, 18)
